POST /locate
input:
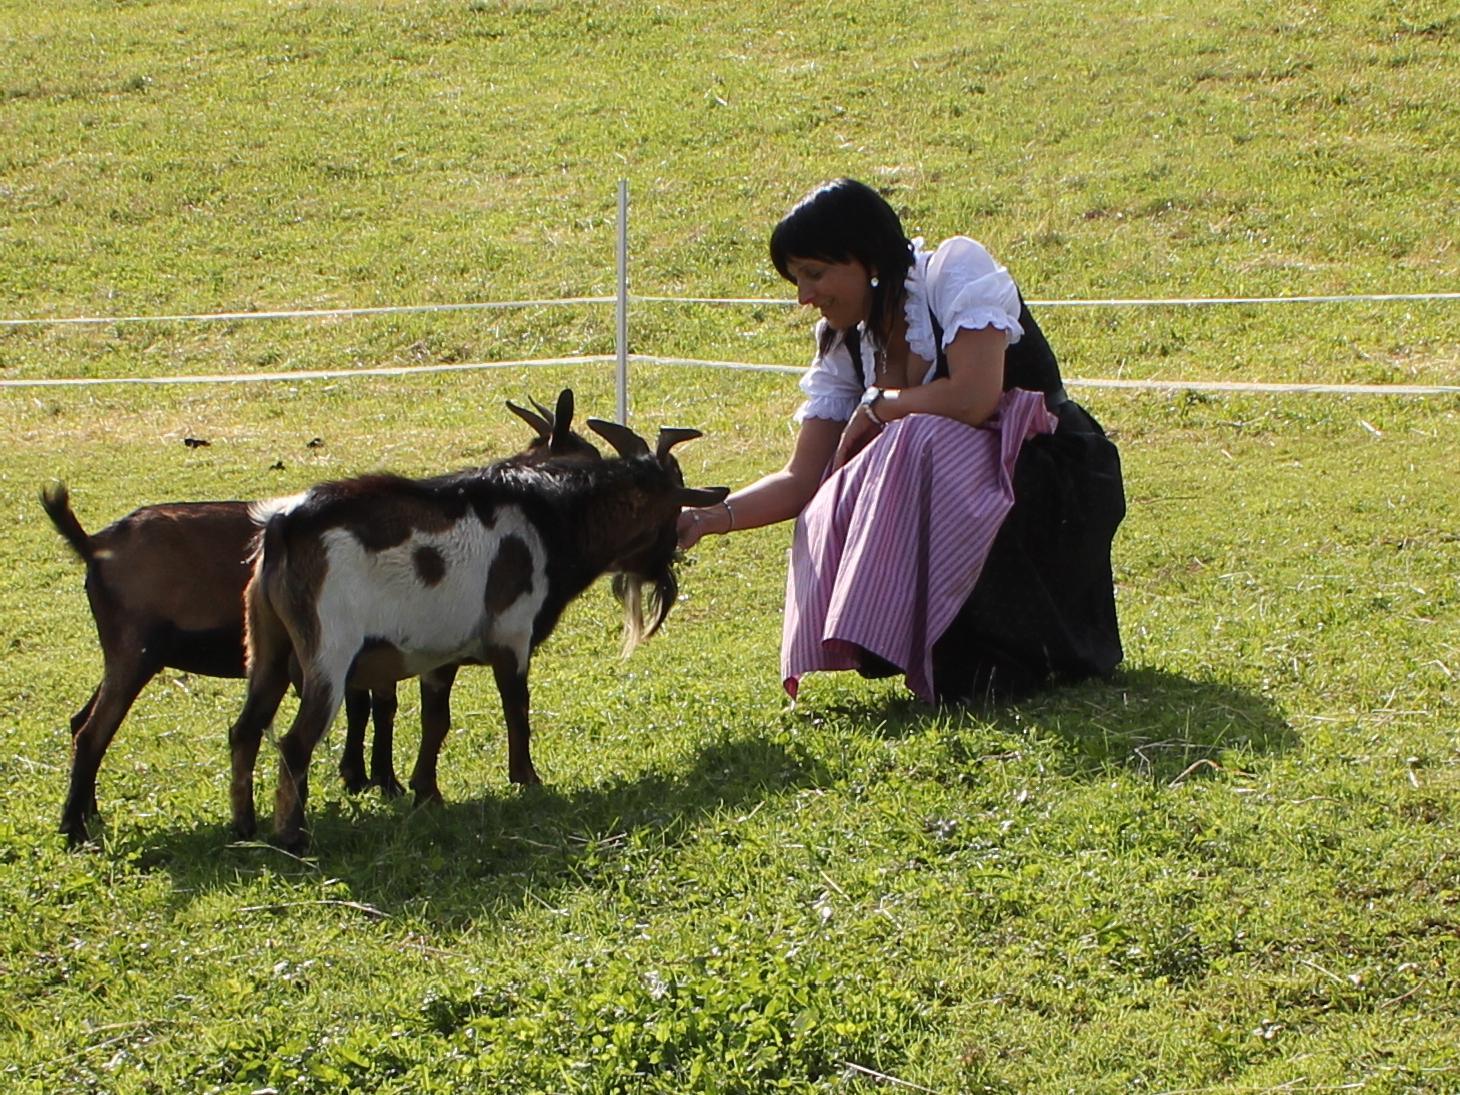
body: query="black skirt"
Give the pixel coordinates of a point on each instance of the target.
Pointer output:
(1043, 609)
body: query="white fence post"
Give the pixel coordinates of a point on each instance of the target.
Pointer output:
(623, 302)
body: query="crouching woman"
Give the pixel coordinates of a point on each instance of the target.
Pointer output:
(954, 507)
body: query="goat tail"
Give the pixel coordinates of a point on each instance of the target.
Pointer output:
(56, 501)
(268, 517)
(265, 638)
(270, 546)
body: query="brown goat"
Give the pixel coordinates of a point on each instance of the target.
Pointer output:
(166, 583)
(367, 581)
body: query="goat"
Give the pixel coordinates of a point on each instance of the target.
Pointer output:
(165, 584)
(369, 580)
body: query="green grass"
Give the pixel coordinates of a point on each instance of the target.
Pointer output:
(1230, 868)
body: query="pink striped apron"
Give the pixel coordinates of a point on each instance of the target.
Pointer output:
(890, 547)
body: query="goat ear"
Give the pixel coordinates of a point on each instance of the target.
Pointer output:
(670, 436)
(539, 423)
(701, 496)
(562, 422)
(624, 440)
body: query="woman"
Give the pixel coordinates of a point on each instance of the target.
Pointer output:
(954, 507)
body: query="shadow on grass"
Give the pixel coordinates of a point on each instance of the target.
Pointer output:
(1160, 724)
(1145, 719)
(464, 862)
(451, 863)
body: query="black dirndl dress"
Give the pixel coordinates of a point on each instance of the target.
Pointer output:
(1043, 610)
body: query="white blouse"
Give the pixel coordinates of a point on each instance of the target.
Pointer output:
(962, 285)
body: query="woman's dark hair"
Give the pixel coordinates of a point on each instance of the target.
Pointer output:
(843, 220)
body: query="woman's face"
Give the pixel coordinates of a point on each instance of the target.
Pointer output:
(842, 291)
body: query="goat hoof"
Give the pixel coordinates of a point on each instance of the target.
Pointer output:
(430, 796)
(390, 787)
(355, 782)
(76, 835)
(295, 843)
(528, 778)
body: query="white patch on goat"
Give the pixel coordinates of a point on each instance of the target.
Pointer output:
(380, 595)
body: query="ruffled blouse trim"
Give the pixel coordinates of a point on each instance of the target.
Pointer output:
(915, 305)
(834, 382)
(981, 316)
(986, 297)
(829, 407)
(990, 301)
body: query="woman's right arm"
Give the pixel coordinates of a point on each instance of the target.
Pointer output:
(778, 496)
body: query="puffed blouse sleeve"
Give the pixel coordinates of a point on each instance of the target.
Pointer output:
(967, 288)
(833, 384)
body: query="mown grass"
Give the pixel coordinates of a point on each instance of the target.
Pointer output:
(1230, 868)
(204, 157)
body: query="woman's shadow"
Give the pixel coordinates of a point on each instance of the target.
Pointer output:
(1163, 725)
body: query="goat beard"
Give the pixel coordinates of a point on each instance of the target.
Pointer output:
(631, 591)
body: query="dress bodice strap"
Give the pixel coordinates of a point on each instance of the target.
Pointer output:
(1029, 363)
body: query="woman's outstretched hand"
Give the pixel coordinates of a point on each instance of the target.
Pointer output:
(694, 523)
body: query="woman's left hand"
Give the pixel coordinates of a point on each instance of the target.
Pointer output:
(859, 432)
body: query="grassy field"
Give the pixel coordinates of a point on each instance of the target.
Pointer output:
(1231, 868)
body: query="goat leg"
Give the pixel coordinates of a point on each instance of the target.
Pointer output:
(352, 763)
(106, 709)
(266, 689)
(435, 723)
(383, 707)
(512, 687)
(317, 707)
(362, 707)
(78, 720)
(319, 702)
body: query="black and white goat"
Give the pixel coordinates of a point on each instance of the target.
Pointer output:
(367, 581)
(166, 583)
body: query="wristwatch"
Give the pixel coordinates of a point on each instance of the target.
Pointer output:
(870, 398)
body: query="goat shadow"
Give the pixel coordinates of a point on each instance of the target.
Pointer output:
(1161, 724)
(451, 862)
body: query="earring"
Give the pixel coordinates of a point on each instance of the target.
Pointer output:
(875, 282)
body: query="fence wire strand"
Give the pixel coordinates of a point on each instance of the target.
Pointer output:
(487, 305)
(1255, 387)
(651, 359)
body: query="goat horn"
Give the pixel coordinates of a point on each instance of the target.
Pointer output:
(542, 425)
(563, 417)
(547, 414)
(670, 436)
(624, 440)
(701, 496)
(564, 440)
